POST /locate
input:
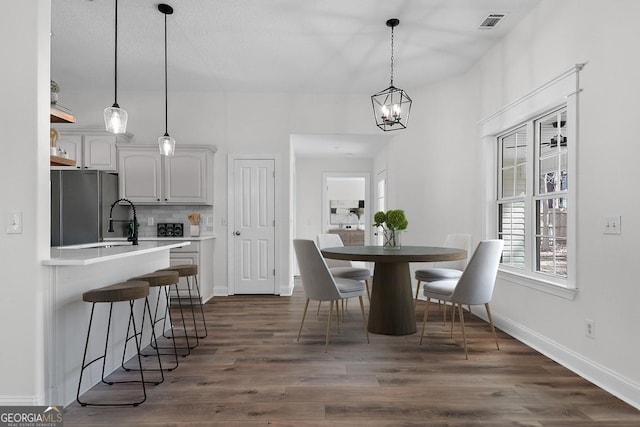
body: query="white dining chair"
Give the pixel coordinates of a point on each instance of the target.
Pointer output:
(320, 285)
(343, 269)
(447, 269)
(474, 287)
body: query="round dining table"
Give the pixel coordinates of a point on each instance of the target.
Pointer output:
(392, 310)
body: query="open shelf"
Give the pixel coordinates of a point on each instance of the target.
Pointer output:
(58, 116)
(61, 161)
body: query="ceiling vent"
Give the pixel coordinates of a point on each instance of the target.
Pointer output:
(491, 21)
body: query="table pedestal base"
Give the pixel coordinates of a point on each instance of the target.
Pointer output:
(392, 311)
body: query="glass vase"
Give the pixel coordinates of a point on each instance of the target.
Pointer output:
(392, 239)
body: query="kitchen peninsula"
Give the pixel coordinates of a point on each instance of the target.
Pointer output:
(75, 270)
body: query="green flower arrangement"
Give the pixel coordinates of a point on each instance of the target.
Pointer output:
(392, 222)
(394, 219)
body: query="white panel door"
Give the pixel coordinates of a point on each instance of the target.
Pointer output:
(254, 233)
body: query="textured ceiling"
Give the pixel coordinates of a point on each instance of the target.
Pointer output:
(272, 45)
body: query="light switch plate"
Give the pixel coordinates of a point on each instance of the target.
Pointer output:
(612, 224)
(14, 222)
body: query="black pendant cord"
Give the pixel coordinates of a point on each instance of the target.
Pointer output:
(391, 56)
(115, 71)
(166, 97)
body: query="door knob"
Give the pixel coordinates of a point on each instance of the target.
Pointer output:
(237, 233)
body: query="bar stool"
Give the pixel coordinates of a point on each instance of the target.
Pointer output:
(164, 280)
(126, 291)
(191, 271)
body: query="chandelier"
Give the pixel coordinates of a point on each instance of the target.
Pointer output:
(392, 105)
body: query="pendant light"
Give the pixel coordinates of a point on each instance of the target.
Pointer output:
(166, 143)
(391, 106)
(115, 118)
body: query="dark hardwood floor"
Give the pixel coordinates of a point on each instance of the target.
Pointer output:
(250, 371)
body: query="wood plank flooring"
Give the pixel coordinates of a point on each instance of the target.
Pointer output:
(250, 371)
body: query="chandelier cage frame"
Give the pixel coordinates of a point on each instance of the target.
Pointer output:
(391, 106)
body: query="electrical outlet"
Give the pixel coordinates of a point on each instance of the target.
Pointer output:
(612, 225)
(14, 222)
(590, 328)
(150, 221)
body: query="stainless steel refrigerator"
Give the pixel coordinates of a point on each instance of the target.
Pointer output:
(80, 202)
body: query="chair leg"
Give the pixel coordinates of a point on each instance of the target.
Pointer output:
(453, 316)
(326, 343)
(424, 318)
(415, 301)
(464, 335)
(366, 285)
(493, 329)
(364, 320)
(318, 311)
(444, 312)
(306, 304)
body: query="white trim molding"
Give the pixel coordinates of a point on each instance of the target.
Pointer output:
(610, 381)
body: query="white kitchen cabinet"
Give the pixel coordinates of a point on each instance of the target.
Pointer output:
(139, 174)
(199, 252)
(185, 178)
(92, 149)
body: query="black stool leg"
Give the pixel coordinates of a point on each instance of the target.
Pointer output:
(146, 310)
(193, 316)
(156, 320)
(184, 324)
(104, 357)
(204, 322)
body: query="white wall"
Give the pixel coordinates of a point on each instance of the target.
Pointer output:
(345, 189)
(558, 35)
(24, 175)
(447, 163)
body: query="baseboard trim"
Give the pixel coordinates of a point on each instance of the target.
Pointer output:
(600, 375)
(20, 401)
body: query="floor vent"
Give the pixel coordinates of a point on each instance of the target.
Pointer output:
(491, 21)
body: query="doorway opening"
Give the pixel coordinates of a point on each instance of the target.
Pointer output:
(346, 206)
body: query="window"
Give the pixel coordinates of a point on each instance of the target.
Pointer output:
(533, 198)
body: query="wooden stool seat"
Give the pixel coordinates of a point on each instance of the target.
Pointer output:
(183, 270)
(124, 291)
(159, 278)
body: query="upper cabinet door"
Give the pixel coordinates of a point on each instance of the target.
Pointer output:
(100, 152)
(185, 177)
(72, 144)
(140, 175)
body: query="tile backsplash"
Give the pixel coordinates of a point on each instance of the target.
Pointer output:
(173, 214)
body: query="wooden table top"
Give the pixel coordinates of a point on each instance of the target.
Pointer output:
(402, 254)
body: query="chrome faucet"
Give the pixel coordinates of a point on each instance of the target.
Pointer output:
(134, 237)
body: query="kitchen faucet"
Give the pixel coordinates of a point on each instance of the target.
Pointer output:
(134, 237)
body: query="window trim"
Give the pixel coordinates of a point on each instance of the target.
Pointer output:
(561, 91)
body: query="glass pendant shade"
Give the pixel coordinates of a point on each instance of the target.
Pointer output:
(115, 119)
(391, 108)
(167, 145)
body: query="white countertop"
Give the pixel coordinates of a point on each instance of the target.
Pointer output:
(161, 239)
(90, 254)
